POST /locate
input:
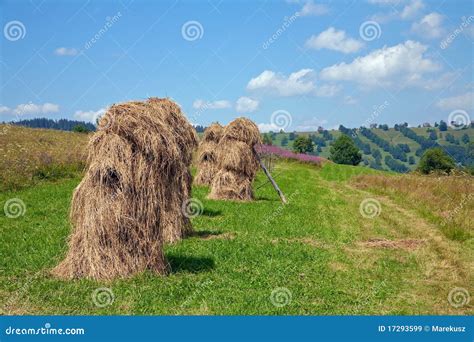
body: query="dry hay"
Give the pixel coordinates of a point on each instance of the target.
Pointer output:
(237, 161)
(407, 244)
(130, 199)
(207, 155)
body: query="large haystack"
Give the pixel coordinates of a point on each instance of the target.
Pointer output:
(130, 198)
(237, 161)
(207, 155)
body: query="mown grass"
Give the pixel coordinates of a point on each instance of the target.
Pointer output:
(316, 247)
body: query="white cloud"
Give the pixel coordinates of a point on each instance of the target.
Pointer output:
(90, 115)
(64, 51)
(31, 108)
(327, 90)
(463, 102)
(267, 127)
(312, 9)
(333, 39)
(439, 82)
(429, 26)
(400, 64)
(412, 9)
(384, 2)
(409, 10)
(219, 104)
(4, 109)
(297, 83)
(246, 105)
(310, 125)
(349, 100)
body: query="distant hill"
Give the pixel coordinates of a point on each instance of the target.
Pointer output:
(397, 149)
(61, 124)
(67, 125)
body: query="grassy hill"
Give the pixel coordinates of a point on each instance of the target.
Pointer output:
(30, 155)
(323, 253)
(393, 137)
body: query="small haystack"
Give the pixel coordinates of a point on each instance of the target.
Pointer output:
(130, 198)
(207, 155)
(237, 161)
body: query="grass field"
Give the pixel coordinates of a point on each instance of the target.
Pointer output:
(31, 155)
(317, 255)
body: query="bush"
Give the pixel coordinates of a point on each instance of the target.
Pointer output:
(344, 151)
(395, 165)
(303, 145)
(435, 159)
(267, 139)
(80, 129)
(443, 126)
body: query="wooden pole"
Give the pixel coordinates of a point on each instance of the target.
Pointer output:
(275, 186)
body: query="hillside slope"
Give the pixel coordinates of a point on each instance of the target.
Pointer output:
(457, 146)
(29, 155)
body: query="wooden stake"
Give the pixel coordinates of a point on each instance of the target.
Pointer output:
(275, 186)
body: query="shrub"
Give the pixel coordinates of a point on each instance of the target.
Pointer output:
(395, 165)
(344, 151)
(303, 145)
(80, 129)
(267, 139)
(443, 126)
(435, 159)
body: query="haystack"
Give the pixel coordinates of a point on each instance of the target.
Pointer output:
(130, 198)
(237, 161)
(207, 155)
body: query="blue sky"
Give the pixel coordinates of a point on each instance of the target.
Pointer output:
(288, 64)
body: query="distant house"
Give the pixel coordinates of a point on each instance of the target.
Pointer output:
(426, 124)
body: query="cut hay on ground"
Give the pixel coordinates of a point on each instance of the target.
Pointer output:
(237, 161)
(130, 199)
(207, 155)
